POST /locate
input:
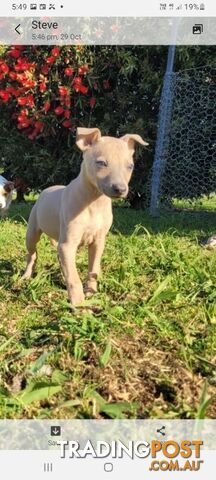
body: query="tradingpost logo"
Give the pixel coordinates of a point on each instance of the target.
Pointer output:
(176, 456)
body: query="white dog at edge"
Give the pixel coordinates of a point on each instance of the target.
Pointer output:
(6, 193)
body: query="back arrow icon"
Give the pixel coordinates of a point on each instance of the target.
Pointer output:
(17, 29)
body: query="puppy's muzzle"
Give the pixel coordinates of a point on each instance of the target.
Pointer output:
(119, 190)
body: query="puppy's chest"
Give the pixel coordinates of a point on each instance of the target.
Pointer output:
(94, 227)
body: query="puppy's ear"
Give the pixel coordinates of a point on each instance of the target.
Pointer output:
(8, 187)
(86, 137)
(131, 138)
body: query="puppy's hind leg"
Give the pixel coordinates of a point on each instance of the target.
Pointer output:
(32, 238)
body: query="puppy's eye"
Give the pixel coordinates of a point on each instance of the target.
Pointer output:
(101, 163)
(130, 167)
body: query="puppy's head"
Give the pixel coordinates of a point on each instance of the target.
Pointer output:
(108, 161)
(6, 192)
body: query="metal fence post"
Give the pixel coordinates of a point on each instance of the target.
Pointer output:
(164, 118)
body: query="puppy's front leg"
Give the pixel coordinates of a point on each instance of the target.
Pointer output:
(67, 257)
(95, 253)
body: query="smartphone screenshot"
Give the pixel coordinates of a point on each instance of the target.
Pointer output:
(107, 240)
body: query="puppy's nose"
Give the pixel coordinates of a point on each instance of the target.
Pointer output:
(119, 188)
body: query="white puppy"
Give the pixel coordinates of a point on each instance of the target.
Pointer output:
(6, 193)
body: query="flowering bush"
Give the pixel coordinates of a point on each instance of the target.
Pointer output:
(46, 89)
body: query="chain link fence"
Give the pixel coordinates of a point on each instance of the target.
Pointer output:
(184, 167)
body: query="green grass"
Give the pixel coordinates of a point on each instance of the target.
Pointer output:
(144, 346)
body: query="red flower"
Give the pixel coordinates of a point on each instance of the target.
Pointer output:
(22, 101)
(17, 91)
(4, 68)
(30, 101)
(83, 89)
(77, 85)
(13, 75)
(42, 87)
(67, 123)
(10, 90)
(29, 83)
(92, 102)
(50, 60)
(21, 77)
(46, 106)
(22, 65)
(5, 96)
(45, 69)
(83, 69)
(14, 53)
(63, 91)
(27, 100)
(55, 51)
(67, 113)
(69, 71)
(59, 110)
(22, 117)
(24, 123)
(67, 102)
(77, 81)
(24, 112)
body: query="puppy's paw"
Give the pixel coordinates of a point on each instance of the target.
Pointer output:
(77, 297)
(89, 291)
(91, 285)
(25, 276)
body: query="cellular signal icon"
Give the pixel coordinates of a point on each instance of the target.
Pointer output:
(202, 6)
(179, 7)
